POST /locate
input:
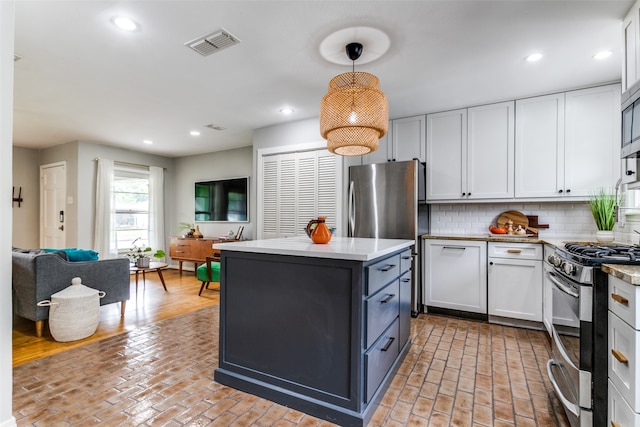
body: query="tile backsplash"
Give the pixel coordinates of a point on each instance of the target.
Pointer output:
(566, 220)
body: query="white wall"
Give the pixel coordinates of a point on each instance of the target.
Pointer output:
(222, 164)
(6, 128)
(26, 218)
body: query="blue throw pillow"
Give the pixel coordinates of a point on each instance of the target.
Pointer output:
(75, 254)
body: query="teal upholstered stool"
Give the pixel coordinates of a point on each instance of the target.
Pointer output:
(207, 273)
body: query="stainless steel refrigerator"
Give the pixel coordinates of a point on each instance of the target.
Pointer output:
(384, 203)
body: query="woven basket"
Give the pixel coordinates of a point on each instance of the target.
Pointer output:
(74, 312)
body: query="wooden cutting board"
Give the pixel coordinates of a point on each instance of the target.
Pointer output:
(518, 218)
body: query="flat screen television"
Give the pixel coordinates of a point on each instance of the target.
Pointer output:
(222, 200)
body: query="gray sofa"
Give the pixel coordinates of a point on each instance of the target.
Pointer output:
(37, 275)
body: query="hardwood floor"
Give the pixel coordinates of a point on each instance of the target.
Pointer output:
(151, 304)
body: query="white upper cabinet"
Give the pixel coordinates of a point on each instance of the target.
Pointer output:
(490, 151)
(405, 140)
(470, 153)
(383, 153)
(446, 155)
(539, 146)
(592, 140)
(630, 36)
(568, 145)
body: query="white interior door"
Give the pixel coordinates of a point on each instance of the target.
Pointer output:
(53, 195)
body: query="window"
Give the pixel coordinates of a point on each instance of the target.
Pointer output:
(131, 204)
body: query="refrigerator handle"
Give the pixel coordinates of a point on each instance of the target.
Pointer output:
(352, 216)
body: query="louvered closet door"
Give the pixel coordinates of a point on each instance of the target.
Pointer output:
(297, 187)
(269, 214)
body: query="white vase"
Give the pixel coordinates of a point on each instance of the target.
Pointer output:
(604, 235)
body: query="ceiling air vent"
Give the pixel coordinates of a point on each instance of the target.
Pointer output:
(215, 127)
(214, 42)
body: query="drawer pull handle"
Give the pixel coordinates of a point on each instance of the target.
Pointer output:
(388, 344)
(620, 299)
(387, 299)
(514, 251)
(388, 267)
(619, 356)
(406, 257)
(406, 280)
(615, 424)
(454, 247)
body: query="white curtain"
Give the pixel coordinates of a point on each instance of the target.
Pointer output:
(156, 208)
(104, 233)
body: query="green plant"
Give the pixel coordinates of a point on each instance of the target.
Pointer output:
(602, 206)
(142, 251)
(184, 226)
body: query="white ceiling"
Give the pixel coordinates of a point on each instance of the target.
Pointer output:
(83, 79)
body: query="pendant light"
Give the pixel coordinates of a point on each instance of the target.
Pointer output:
(354, 114)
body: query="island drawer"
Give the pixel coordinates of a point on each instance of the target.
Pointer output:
(405, 261)
(623, 297)
(379, 358)
(381, 273)
(380, 310)
(624, 346)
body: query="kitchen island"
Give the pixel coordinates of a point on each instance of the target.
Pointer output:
(318, 328)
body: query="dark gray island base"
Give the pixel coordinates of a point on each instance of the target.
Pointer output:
(320, 335)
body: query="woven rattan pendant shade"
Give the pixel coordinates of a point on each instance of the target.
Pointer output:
(354, 114)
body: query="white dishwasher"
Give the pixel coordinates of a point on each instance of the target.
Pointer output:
(514, 277)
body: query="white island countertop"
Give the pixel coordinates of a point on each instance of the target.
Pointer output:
(348, 248)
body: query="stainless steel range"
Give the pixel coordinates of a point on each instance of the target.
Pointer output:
(578, 369)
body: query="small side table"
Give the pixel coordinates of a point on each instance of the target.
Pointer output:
(153, 266)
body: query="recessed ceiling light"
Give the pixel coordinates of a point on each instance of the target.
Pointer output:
(286, 110)
(194, 133)
(125, 23)
(534, 57)
(602, 55)
(148, 141)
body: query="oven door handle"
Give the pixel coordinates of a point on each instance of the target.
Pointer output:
(561, 286)
(571, 407)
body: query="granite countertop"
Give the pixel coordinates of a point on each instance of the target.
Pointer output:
(628, 273)
(349, 248)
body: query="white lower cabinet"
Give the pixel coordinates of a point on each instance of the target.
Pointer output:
(515, 281)
(455, 275)
(623, 352)
(547, 288)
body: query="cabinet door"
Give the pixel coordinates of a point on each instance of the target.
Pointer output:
(539, 146)
(408, 139)
(456, 275)
(592, 139)
(630, 44)
(446, 155)
(490, 152)
(384, 151)
(629, 171)
(515, 288)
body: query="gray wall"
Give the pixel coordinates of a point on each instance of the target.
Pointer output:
(81, 182)
(26, 218)
(203, 167)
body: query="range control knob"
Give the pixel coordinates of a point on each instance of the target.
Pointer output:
(555, 260)
(568, 268)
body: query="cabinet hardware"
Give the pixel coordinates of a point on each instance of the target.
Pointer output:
(559, 191)
(464, 194)
(454, 247)
(388, 267)
(407, 257)
(630, 173)
(387, 299)
(568, 190)
(406, 280)
(615, 424)
(514, 251)
(620, 299)
(619, 356)
(490, 262)
(388, 344)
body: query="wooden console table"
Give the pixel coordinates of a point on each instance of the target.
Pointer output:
(189, 249)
